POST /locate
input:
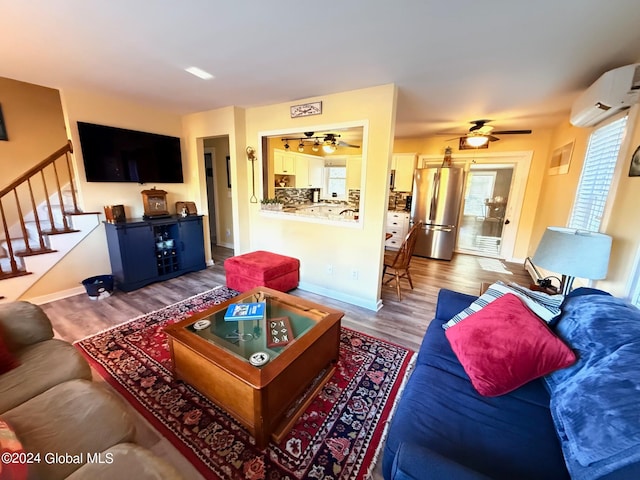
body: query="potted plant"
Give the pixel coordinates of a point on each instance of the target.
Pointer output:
(271, 204)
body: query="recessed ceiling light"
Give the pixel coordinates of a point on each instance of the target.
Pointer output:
(198, 72)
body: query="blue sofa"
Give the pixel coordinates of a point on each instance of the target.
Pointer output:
(444, 429)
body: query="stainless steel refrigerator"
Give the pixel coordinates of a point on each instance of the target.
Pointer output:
(437, 195)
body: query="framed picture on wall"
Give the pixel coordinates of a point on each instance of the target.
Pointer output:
(3, 129)
(561, 159)
(634, 168)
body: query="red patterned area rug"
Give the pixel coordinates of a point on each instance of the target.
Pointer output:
(337, 437)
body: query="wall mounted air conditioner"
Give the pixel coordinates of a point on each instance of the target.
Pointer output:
(615, 90)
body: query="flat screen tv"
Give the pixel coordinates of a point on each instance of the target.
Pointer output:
(113, 154)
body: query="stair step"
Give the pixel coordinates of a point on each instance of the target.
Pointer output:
(34, 251)
(18, 244)
(5, 264)
(20, 273)
(59, 231)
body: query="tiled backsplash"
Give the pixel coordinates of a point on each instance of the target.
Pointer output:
(398, 200)
(296, 196)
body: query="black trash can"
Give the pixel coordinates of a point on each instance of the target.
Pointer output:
(100, 286)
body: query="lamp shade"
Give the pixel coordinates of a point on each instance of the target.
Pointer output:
(574, 253)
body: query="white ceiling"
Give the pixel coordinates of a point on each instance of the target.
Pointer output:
(520, 63)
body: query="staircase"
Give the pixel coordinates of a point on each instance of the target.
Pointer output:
(41, 223)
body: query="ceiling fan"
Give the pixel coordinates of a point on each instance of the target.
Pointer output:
(480, 134)
(331, 138)
(327, 141)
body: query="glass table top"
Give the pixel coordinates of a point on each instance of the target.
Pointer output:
(283, 322)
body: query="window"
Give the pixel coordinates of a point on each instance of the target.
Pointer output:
(596, 177)
(635, 287)
(479, 189)
(335, 179)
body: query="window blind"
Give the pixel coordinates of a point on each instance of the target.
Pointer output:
(336, 181)
(596, 177)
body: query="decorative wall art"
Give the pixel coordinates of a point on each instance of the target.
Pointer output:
(3, 129)
(634, 168)
(306, 109)
(561, 159)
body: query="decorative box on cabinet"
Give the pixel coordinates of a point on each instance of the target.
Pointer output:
(147, 251)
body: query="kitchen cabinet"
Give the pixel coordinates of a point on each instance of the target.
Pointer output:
(404, 165)
(397, 227)
(146, 251)
(284, 163)
(309, 170)
(354, 172)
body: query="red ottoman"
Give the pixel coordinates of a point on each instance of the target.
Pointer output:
(262, 269)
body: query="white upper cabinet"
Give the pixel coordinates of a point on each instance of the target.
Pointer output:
(284, 163)
(404, 165)
(316, 168)
(308, 171)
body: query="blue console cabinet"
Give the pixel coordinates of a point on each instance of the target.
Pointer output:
(147, 251)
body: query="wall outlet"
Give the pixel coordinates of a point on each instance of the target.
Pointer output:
(329, 269)
(354, 274)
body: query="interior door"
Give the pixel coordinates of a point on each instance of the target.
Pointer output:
(484, 215)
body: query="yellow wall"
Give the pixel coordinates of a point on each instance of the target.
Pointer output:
(319, 245)
(538, 142)
(35, 127)
(558, 191)
(91, 256)
(34, 123)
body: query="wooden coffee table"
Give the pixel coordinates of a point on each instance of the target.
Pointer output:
(266, 399)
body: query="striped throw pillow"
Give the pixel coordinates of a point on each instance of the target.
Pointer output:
(545, 306)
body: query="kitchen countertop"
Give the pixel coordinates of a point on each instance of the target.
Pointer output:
(306, 210)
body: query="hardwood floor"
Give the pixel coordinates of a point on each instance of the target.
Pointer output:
(402, 322)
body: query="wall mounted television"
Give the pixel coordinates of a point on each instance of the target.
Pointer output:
(113, 154)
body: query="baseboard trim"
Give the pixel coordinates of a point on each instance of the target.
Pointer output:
(353, 300)
(52, 297)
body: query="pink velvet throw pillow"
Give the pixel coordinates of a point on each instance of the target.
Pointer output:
(504, 345)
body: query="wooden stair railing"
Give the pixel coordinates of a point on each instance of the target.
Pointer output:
(15, 195)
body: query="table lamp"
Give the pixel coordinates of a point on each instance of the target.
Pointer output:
(573, 253)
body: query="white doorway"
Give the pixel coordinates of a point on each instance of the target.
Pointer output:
(490, 170)
(486, 196)
(216, 162)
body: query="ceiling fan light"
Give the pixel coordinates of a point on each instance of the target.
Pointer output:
(328, 148)
(477, 140)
